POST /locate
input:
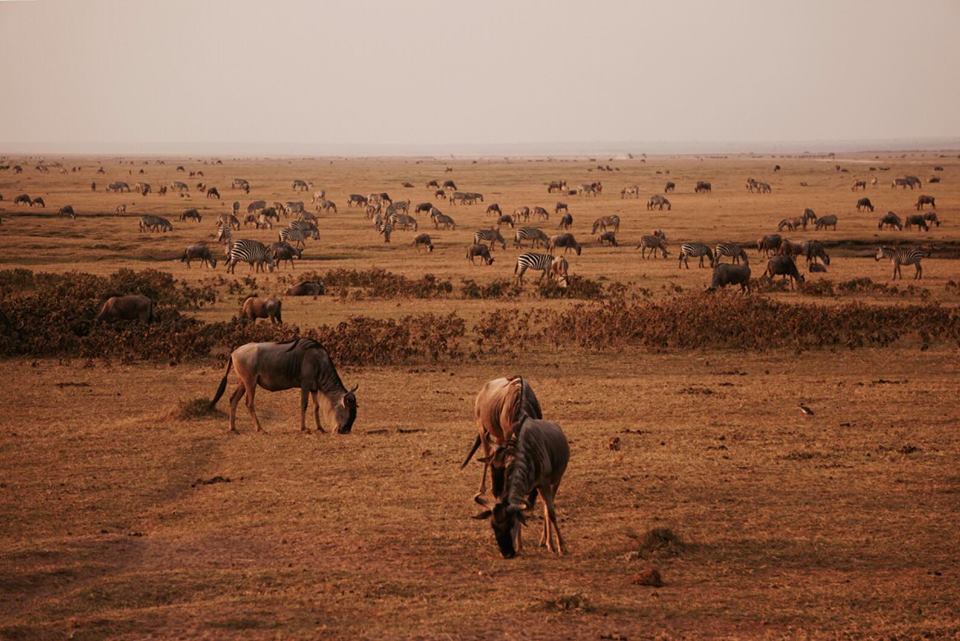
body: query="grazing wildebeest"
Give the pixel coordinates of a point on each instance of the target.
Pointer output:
(918, 220)
(703, 186)
(440, 194)
(213, 192)
(256, 205)
(931, 218)
(567, 241)
(432, 184)
(726, 274)
(307, 288)
(560, 207)
(155, 223)
(254, 308)
(449, 184)
(784, 266)
(534, 462)
(604, 222)
(500, 406)
(128, 308)
(556, 186)
(67, 210)
(301, 185)
(494, 209)
(283, 251)
(423, 240)
(505, 219)
(670, 186)
(38, 202)
(357, 200)
(482, 251)
(890, 219)
(790, 223)
(933, 179)
(769, 243)
(566, 221)
(608, 238)
(301, 363)
(425, 207)
(659, 202)
(826, 221)
(190, 214)
(864, 203)
(859, 184)
(926, 200)
(199, 252)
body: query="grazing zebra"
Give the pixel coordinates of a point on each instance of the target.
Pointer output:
(295, 235)
(656, 241)
(670, 186)
(566, 222)
(547, 265)
(732, 250)
(372, 211)
(307, 226)
(253, 252)
(491, 236)
(256, 205)
(155, 223)
(769, 243)
(859, 184)
(224, 234)
(695, 250)
(319, 195)
(890, 219)
(535, 235)
(385, 228)
(826, 221)
(442, 220)
(791, 224)
(606, 221)
(423, 240)
(903, 256)
(403, 221)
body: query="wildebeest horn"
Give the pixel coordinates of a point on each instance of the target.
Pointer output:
(479, 500)
(354, 388)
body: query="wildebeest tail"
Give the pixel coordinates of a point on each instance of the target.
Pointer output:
(223, 385)
(473, 450)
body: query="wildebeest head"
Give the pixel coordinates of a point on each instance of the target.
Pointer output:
(506, 521)
(345, 411)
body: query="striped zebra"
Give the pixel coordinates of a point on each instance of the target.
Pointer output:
(695, 250)
(155, 223)
(553, 268)
(442, 220)
(294, 236)
(385, 228)
(535, 235)
(491, 236)
(224, 234)
(606, 221)
(306, 226)
(731, 250)
(656, 241)
(250, 251)
(903, 256)
(403, 221)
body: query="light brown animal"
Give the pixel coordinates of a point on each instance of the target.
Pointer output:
(128, 308)
(254, 308)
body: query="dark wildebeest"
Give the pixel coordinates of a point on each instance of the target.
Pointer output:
(38, 202)
(505, 219)
(931, 218)
(500, 406)
(784, 266)
(826, 221)
(918, 220)
(864, 203)
(566, 221)
(254, 308)
(670, 186)
(128, 308)
(482, 251)
(423, 240)
(567, 241)
(560, 207)
(608, 238)
(726, 274)
(423, 208)
(703, 186)
(302, 363)
(890, 219)
(283, 251)
(769, 243)
(256, 206)
(926, 200)
(307, 288)
(191, 214)
(213, 192)
(67, 210)
(556, 186)
(494, 209)
(199, 252)
(534, 462)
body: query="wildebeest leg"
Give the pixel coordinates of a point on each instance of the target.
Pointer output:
(304, 399)
(316, 412)
(251, 393)
(234, 400)
(548, 499)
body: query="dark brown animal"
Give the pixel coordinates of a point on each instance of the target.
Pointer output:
(255, 307)
(132, 307)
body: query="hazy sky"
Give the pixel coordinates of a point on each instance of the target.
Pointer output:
(98, 74)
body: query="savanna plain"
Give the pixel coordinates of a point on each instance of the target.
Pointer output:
(128, 511)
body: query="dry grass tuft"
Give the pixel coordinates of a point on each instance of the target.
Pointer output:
(658, 541)
(569, 602)
(193, 410)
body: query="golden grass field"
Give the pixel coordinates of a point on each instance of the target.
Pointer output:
(119, 519)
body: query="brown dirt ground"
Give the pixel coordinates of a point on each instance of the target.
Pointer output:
(842, 524)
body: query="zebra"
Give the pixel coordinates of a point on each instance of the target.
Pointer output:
(403, 221)
(654, 242)
(733, 250)
(307, 226)
(256, 205)
(250, 251)
(604, 222)
(385, 228)
(546, 264)
(491, 236)
(441, 219)
(296, 235)
(535, 235)
(155, 223)
(903, 256)
(695, 250)
(224, 234)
